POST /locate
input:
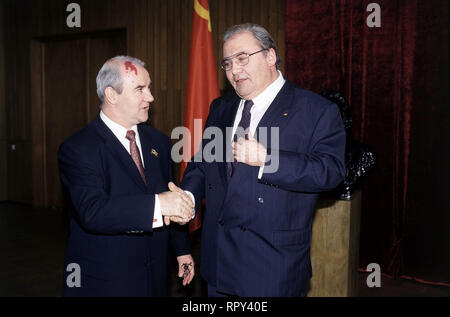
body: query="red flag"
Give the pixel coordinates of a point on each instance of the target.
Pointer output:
(202, 85)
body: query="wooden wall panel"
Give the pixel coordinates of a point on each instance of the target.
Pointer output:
(62, 119)
(26, 20)
(268, 13)
(3, 144)
(38, 173)
(169, 32)
(137, 30)
(168, 66)
(98, 46)
(17, 95)
(157, 31)
(60, 106)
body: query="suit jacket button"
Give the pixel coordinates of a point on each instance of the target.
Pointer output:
(260, 200)
(243, 228)
(221, 222)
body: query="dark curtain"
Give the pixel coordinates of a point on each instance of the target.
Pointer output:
(395, 78)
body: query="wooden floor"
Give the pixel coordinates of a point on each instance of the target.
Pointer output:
(32, 250)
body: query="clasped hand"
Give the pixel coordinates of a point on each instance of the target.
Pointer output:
(176, 205)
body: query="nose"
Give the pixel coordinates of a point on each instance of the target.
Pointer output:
(148, 97)
(235, 67)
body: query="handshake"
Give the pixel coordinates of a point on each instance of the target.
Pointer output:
(176, 205)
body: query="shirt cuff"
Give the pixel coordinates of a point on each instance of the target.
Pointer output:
(157, 215)
(261, 171)
(193, 200)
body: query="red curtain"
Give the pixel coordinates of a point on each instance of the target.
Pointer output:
(395, 77)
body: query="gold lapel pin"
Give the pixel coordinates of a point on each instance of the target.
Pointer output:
(154, 152)
(285, 114)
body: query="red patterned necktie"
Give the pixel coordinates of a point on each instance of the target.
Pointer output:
(135, 155)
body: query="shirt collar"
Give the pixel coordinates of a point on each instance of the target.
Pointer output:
(118, 130)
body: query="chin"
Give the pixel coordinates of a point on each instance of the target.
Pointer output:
(143, 119)
(243, 92)
(243, 95)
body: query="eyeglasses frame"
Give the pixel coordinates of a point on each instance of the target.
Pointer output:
(236, 55)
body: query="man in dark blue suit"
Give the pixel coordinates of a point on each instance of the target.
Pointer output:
(259, 207)
(116, 176)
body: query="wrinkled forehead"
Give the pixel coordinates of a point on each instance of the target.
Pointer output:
(243, 42)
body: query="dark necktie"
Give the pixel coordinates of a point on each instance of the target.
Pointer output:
(244, 124)
(135, 155)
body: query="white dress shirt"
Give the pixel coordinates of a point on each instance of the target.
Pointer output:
(120, 133)
(260, 105)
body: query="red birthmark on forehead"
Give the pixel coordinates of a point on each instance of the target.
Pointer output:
(130, 66)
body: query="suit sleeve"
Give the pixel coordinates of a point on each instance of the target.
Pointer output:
(194, 182)
(194, 175)
(179, 236)
(92, 207)
(322, 168)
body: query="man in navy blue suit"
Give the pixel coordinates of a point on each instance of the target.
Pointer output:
(116, 175)
(287, 145)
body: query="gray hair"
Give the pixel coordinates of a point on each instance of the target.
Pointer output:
(260, 34)
(109, 75)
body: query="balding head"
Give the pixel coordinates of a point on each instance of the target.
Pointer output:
(110, 74)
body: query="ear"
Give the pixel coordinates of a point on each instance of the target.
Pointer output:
(111, 95)
(271, 57)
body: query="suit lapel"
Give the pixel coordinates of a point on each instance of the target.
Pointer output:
(149, 155)
(119, 152)
(279, 109)
(228, 121)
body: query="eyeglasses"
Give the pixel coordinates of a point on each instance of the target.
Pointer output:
(242, 59)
